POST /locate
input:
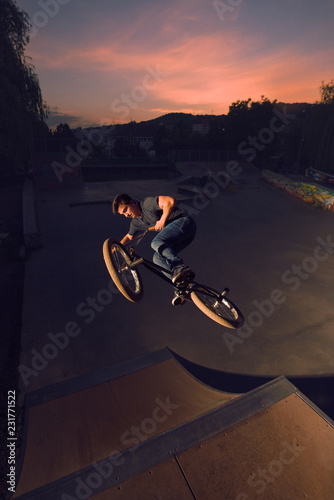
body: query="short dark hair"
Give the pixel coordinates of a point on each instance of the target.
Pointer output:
(120, 199)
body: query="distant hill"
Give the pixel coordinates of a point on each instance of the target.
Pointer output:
(172, 120)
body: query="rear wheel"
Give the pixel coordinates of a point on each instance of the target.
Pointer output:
(216, 307)
(127, 280)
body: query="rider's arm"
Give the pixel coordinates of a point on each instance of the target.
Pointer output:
(126, 239)
(166, 203)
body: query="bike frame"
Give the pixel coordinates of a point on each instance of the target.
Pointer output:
(137, 260)
(160, 271)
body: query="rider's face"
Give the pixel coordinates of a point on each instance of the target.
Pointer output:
(132, 210)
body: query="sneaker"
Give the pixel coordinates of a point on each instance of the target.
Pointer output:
(182, 273)
(178, 300)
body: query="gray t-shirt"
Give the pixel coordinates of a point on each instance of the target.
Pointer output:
(150, 214)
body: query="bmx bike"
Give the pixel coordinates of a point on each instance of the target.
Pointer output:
(122, 263)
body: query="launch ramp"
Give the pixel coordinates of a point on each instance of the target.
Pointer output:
(148, 429)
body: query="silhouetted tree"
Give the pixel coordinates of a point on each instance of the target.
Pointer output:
(22, 110)
(247, 120)
(63, 131)
(317, 144)
(237, 122)
(327, 92)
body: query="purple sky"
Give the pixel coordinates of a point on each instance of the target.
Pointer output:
(111, 61)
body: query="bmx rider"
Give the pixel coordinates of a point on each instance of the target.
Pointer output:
(176, 232)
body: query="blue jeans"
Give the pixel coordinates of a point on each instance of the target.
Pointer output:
(171, 240)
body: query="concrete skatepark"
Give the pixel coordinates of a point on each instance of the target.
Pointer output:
(274, 252)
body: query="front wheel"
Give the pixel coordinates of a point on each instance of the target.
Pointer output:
(118, 262)
(216, 307)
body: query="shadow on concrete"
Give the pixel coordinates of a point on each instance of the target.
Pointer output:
(317, 388)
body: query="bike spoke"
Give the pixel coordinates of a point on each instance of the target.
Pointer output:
(125, 273)
(220, 306)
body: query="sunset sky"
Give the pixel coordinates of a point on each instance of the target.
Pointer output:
(101, 62)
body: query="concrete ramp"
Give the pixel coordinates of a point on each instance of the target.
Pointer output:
(148, 429)
(73, 425)
(284, 451)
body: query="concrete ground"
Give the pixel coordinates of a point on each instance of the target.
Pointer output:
(274, 252)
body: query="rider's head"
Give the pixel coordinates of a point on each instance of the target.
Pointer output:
(123, 204)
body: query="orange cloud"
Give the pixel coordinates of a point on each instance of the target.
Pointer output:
(196, 72)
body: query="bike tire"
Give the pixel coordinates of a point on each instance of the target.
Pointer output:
(219, 309)
(128, 281)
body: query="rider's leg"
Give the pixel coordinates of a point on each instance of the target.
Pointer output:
(159, 260)
(178, 299)
(172, 239)
(163, 262)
